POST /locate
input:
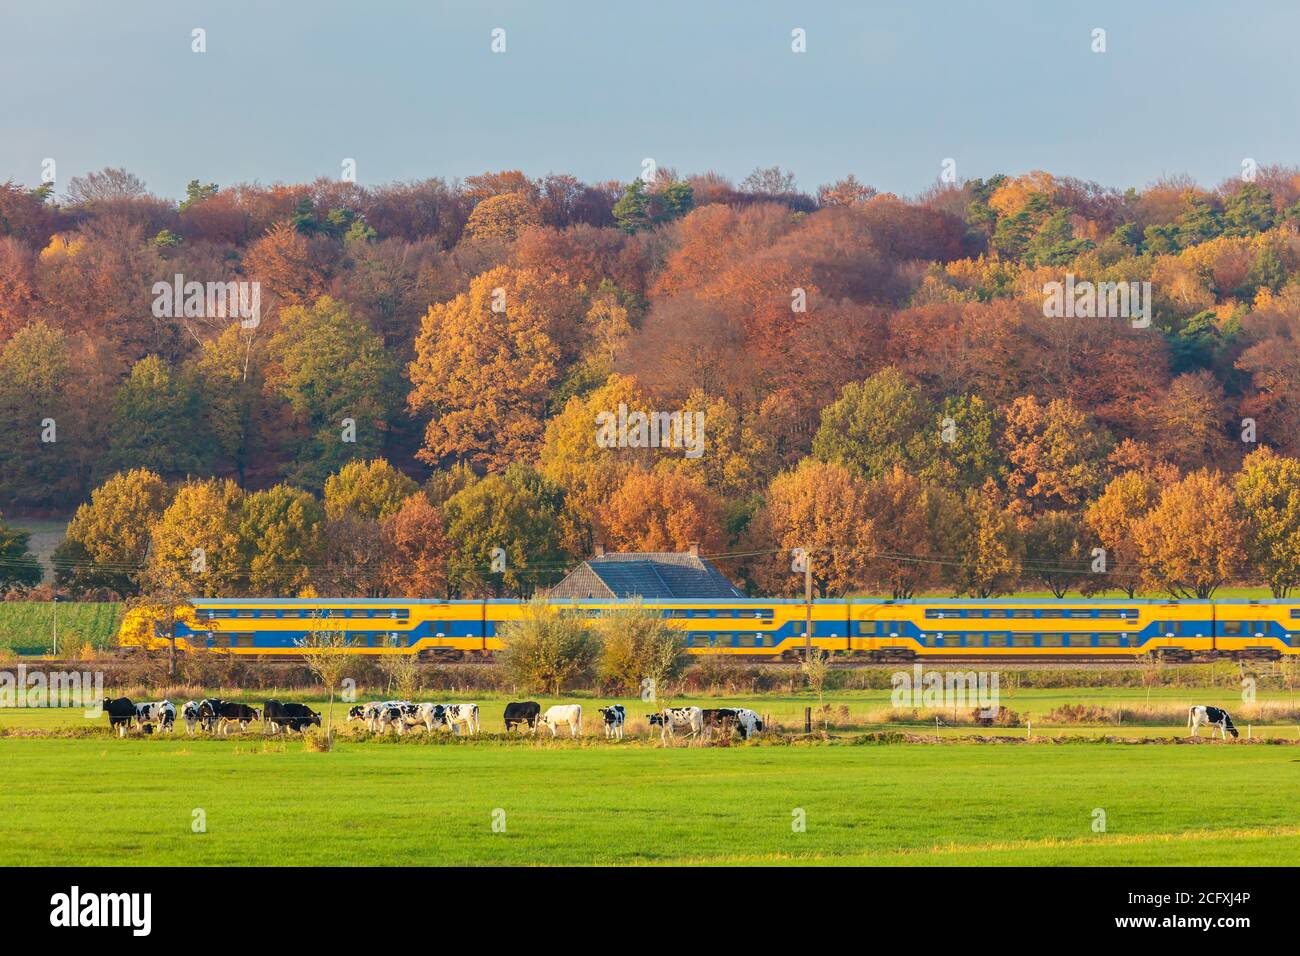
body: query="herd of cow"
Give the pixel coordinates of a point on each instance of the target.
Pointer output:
(217, 716)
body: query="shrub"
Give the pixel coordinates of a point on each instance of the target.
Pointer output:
(638, 645)
(549, 649)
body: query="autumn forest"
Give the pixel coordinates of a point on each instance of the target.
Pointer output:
(879, 382)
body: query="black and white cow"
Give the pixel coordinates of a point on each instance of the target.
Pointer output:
(615, 716)
(190, 714)
(732, 718)
(681, 718)
(522, 714)
(371, 712)
(121, 714)
(1216, 717)
(456, 716)
(162, 713)
(403, 714)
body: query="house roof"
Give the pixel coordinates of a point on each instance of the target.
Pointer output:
(646, 574)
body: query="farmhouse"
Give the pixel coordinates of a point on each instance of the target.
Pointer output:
(651, 575)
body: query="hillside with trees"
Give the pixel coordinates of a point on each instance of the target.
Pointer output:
(879, 381)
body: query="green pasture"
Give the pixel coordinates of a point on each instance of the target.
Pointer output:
(102, 801)
(27, 627)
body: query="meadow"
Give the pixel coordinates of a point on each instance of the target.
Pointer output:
(100, 801)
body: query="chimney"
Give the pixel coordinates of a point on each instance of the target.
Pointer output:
(599, 551)
(695, 549)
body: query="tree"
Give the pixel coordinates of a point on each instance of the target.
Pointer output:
(156, 423)
(662, 511)
(282, 540)
(504, 533)
(290, 265)
(107, 184)
(415, 550)
(1268, 492)
(18, 566)
(1193, 540)
(1055, 451)
(640, 651)
(549, 649)
(40, 465)
(641, 207)
(156, 615)
(770, 181)
(1112, 519)
(876, 425)
(908, 520)
(821, 508)
(323, 651)
(990, 548)
(369, 489)
(340, 383)
(846, 192)
(1056, 551)
(502, 217)
(485, 374)
(1189, 420)
(196, 543)
(107, 540)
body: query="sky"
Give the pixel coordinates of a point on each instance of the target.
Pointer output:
(288, 90)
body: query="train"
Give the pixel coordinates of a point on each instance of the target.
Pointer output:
(774, 629)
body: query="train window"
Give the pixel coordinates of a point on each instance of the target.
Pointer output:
(1110, 640)
(997, 640)
(1078, 613)
(247, 612)
(1021, 639)
(952, 640)
(678, 612)
(1022, 612)
(748, 640)
(1235, 628)
(998, 612)
(1050, 613)
(1052, 640)
(938, 613)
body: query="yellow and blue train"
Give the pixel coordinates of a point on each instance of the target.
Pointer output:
(773, 629)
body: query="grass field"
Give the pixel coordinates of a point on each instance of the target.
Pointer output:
(102, 801)
(27, 627)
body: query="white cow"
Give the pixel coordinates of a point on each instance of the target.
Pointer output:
(162, 712)
(570, 714)
(681, 718)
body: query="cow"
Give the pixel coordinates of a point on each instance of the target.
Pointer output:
(190, 714)
(654, 720)
(524, 713)
(455, 716)
(218, 715)
(121, 713)
(732, 718)
(615, 716)
(402, 714)
(570, 714)
(372, 712)
(1215, 717)
(288, 716)
(691, 718)
(162, 713)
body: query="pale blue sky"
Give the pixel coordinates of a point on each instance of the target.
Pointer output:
(287, 90)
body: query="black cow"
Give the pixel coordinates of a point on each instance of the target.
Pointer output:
(522, 713)
(291, 716)
(220, 714)
(121, 713)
